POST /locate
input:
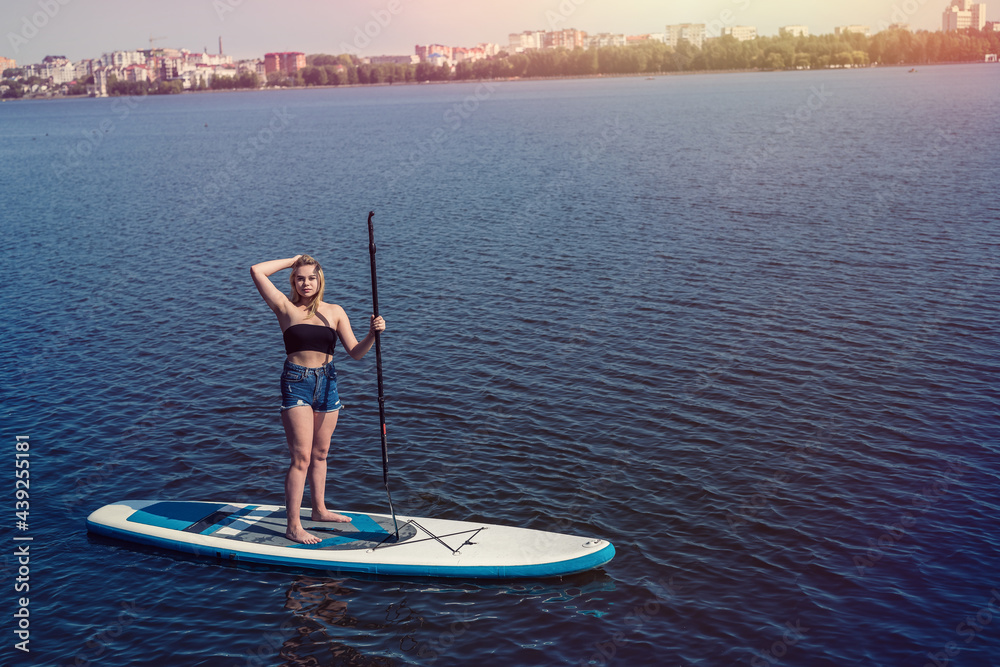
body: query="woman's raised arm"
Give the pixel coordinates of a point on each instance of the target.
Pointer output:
(274, 297)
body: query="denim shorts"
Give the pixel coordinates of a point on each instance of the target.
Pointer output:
(315, 387)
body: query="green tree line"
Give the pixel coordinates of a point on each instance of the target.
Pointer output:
(244, 80)
(136, 88)
(240, 81)
(889, 47)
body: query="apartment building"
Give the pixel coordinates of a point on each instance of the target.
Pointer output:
(742, 33)
(963, 14)
(694, 33)
(289, 62)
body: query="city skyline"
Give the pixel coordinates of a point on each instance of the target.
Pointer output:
(34, 29)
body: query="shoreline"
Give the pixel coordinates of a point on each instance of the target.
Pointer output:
(643, 75)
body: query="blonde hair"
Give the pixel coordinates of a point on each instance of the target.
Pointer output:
(306, 260)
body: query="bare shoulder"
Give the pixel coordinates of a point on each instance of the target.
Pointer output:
(332, 313)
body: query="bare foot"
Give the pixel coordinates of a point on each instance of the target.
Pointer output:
(301, 536)
(327, 515)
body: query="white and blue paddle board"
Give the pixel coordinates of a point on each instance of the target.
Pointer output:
(240, 532)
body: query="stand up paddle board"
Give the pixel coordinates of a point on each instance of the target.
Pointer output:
(240, 532)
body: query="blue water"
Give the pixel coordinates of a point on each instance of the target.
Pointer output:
(743, 326)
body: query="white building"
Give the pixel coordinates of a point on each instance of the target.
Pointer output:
(254, 67)
(100, 86)
(694, 33)
(83, 69)
(742, 33)
(489, 48)
(57, 69)
(527, 40)
(62, 73)
(136, 74)
(963, 14)
(123, 58)
(794, 30)
(207, 58)
(439, 60)
(841, 30)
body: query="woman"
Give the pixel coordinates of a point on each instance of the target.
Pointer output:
(309, 400)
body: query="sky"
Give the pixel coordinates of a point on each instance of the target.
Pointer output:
(81, 29)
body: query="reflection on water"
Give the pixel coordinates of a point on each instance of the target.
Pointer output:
(318, 607)
(321, 630)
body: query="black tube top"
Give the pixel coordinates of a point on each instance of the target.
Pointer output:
(301, 337)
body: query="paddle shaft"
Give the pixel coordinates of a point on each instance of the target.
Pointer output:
(378, 369)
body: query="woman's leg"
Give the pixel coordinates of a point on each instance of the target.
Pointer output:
(298, 423)
(323, 425)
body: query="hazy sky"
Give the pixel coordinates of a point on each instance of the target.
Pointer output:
(81, 29)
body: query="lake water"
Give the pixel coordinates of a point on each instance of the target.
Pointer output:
(743, 326)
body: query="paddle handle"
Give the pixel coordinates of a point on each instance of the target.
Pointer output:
(378, 352)
(378, 369)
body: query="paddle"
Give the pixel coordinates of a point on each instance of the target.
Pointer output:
(378, 366)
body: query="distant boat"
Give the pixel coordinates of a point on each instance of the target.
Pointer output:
(913, 70)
